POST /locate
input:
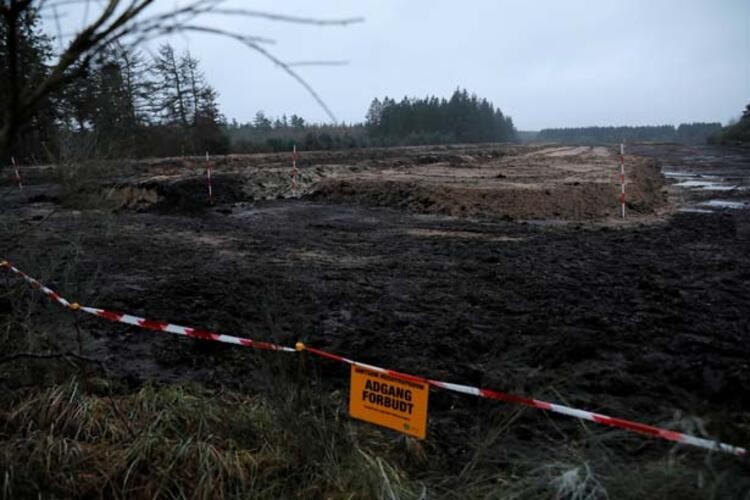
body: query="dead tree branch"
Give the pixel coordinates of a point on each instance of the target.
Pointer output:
(129, 23)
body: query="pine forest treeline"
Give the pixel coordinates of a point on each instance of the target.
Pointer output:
(119, 103)
(686, 133)
(264, 134)
(122, 103)
(462, 118)
(127, 105)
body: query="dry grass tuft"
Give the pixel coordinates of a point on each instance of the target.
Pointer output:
(184, 442)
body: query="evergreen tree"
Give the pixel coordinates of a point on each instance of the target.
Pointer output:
(297, 122)
(261, 122)
(186, 105)
(208, 124)
(21, 67)
(462, 118)
(170, 87)
(735, 133)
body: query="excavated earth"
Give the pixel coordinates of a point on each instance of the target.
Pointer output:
(540, 182)
(500, 266)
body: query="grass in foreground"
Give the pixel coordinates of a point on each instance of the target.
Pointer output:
(69, 431)
(78, 439)
(75, 440)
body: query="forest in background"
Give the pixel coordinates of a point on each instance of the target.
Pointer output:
(464, 118)
(266, 135)
(127, 104)
(122, 103)
(685, 133)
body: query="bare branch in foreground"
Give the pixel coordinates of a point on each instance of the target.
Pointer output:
(124, 22)
(317, 63)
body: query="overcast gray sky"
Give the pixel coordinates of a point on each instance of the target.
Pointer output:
(546, 63)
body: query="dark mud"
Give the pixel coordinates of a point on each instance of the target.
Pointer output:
(649, 322)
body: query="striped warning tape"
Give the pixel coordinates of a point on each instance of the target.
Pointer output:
(146, 323)
(180, 330)
(463, 389)
(36, 284)
(543, 405)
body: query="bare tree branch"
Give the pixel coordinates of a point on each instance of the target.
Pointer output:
(125, 22)
(289, 19)
(317, 63)
(281, 64)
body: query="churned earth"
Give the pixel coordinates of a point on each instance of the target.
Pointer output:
(502, 181)
(504, 267)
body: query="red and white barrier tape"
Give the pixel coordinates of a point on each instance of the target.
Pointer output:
(543, 405)
(463, 389)
(622, 179)
(180, 330)
(147, 323)
(208, 175)
(18, 175)
(37, 284)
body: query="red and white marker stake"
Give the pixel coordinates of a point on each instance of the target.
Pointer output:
(18, 176)
(208, 174)
(622, 179)
(295, 172)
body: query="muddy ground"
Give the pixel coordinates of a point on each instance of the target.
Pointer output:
(647, 320)
(512, 182)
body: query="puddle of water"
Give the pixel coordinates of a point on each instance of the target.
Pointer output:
(725, 204)
(695, 211)
(433, 233)
(678, 175)
(706, 185)
(674, 174)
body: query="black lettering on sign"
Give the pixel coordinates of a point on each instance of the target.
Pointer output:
(395, 402)
(385, 401)
(388, 389)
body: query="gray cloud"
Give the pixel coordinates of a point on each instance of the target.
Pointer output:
(546, 63)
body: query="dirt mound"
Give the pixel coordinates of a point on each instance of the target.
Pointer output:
(133, 197)
(188, 193)
(492, 191)
(571, 183)
(576, 202)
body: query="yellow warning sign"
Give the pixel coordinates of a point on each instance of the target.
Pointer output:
(381, 399)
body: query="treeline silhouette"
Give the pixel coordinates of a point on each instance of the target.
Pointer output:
(123, 103)
(130, 105)
(120, 103)
(266, 135)
(412, 121)
(686, 133)
(430, 120)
